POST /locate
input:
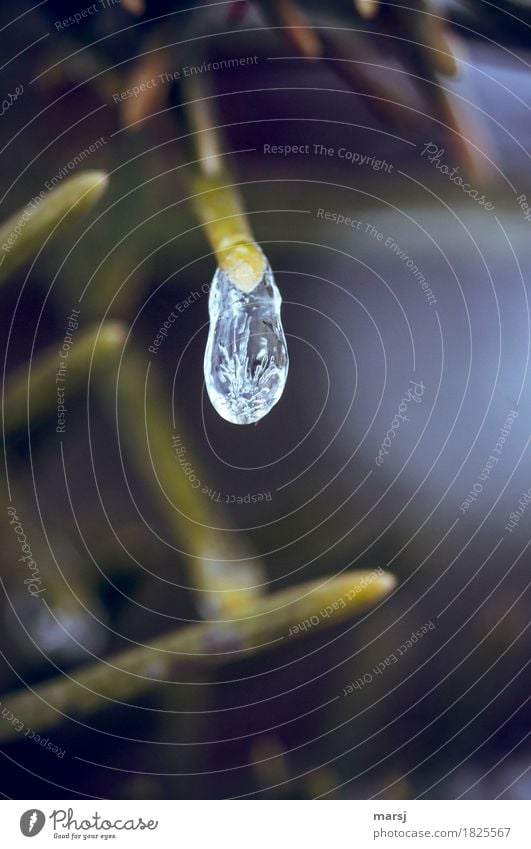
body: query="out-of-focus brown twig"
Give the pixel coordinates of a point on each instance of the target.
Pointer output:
(367, 8)
(150, 87)
(135, 7)
(427, 53)
(296, 28)
(352, 62)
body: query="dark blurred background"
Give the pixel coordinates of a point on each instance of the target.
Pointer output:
(450, 719)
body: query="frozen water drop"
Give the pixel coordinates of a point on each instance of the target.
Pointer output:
(246, 357)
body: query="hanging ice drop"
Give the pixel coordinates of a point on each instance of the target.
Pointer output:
(246, 357)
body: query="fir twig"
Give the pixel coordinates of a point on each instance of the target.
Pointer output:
(217, 200)
(130, 674)
(26, 231)
(225, 576)
(30, 391)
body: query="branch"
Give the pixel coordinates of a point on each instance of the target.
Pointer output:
(271, 621)
(222, 572)
(27, 230)
(32, 392)
(217, 202)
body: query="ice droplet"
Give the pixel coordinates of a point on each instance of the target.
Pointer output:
(246, 357)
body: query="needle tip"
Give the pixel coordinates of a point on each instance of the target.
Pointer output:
(245, 265)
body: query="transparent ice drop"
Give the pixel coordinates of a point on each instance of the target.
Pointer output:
(246, 357)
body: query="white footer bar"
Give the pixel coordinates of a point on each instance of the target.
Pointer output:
(267, 824)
